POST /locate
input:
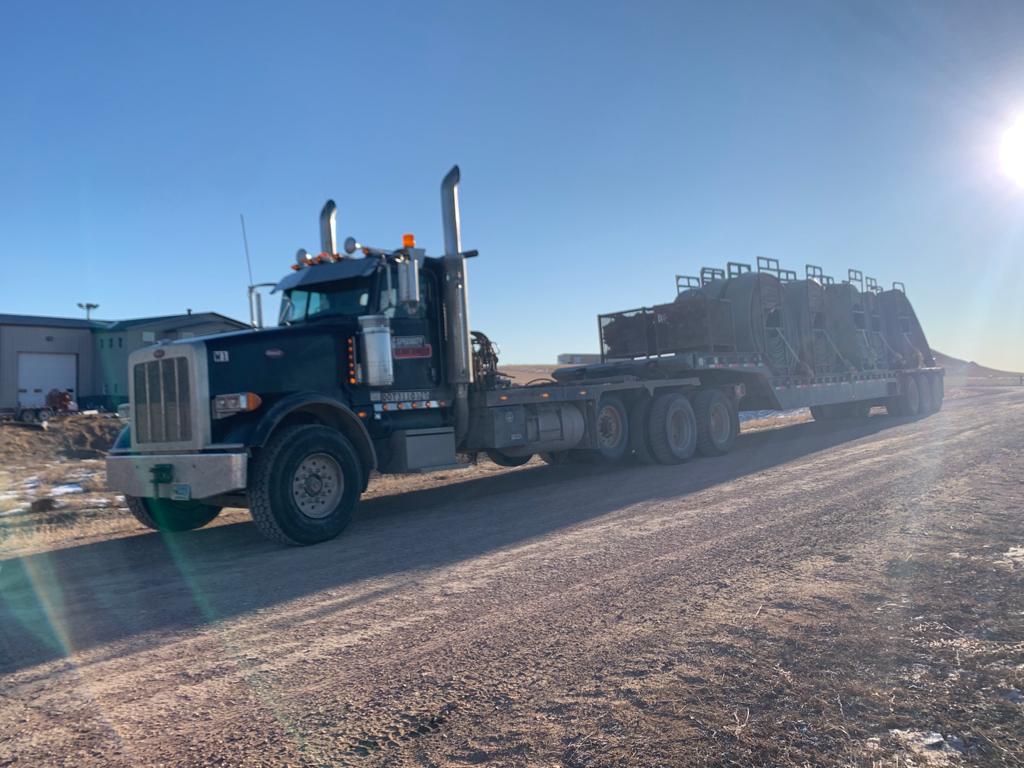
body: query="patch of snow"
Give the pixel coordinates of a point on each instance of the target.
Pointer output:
(12, 511)
(64, 490)
(929, 747)
(754, 415)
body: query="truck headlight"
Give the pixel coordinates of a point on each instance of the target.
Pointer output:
(239, 402)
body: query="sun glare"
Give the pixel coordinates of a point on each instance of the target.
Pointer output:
(1011, 151)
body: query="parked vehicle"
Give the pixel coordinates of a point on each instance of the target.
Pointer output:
(374, 367)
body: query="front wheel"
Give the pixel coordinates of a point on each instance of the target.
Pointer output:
(171, 516)
(504, 460)
(304, 485)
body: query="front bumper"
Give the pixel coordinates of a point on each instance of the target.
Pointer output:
(177, 476)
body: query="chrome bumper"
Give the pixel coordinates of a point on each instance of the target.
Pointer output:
(177, 476)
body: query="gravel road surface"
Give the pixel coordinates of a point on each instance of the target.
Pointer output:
(826, 595)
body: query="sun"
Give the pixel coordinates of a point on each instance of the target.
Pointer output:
(1011, 151)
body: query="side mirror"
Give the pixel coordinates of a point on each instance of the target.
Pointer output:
(351, 245)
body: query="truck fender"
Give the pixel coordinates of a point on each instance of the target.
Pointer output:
(325, 410)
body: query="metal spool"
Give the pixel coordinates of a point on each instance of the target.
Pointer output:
(763, 325)
(805, 303)
(875, 329)
(847, 325)
(903, 331)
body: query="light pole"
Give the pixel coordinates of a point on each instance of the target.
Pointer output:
(88, 307)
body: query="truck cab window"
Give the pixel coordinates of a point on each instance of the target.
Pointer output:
(350, 298)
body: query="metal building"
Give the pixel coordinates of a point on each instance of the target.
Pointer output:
(87, 357)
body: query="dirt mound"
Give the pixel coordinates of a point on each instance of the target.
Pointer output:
(967, 369)
(73, 437)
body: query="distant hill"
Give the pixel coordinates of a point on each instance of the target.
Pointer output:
(961, 368)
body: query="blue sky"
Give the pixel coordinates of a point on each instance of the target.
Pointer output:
(604, 148)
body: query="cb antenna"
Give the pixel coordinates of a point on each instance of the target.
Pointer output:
(245, 242)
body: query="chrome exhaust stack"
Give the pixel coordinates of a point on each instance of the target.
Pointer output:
(456, 295)
(329, 228)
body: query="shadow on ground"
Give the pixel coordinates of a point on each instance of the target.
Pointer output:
(81, 597)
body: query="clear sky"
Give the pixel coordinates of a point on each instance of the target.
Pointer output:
(604, 148)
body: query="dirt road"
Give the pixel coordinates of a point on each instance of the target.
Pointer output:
(826, 595)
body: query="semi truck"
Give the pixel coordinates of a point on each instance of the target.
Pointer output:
(373, 368)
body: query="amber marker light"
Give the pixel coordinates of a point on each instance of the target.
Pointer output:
(408, 240)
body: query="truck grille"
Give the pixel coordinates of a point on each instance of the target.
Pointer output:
(163, 408)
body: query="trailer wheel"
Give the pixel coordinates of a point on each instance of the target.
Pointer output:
(169, 515)
(718, 423)
(502, 460)
(672, 428)
(612, 428)
(304, 485)
(924, 389)
(908, 402)
(638, 432)
(938, 392)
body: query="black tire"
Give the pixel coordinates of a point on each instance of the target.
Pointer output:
(612, 428)
(638, 441)
(502, 460)
(924, 389)
(938, 391)
(672, 428)
(171, 516)
(912, 397)
(718, 422)
(304, 485)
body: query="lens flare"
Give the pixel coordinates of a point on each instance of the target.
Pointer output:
(1011, 151)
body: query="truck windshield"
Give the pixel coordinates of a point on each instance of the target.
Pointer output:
(349, 298)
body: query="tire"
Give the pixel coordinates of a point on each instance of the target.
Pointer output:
(304, 485)
(938, 392)
(639, 413)
(718, 423)
(611, 428)
(502, 460)
(908, 402)
(44, 414)
(924, 389)
(171, 516)
(672, 428)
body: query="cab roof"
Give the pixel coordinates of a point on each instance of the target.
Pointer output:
(317, 274)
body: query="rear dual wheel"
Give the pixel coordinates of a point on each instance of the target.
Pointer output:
(671, 428)
(908, 401)
(718, 422)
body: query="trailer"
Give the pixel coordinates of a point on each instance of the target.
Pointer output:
(373, 368)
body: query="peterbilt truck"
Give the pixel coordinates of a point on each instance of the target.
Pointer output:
(373, 367)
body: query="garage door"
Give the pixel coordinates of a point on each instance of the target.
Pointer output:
(38, 373)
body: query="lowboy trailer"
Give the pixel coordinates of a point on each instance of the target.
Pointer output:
(373, 367)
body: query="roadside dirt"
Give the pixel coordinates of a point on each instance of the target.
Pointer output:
(827, 595)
